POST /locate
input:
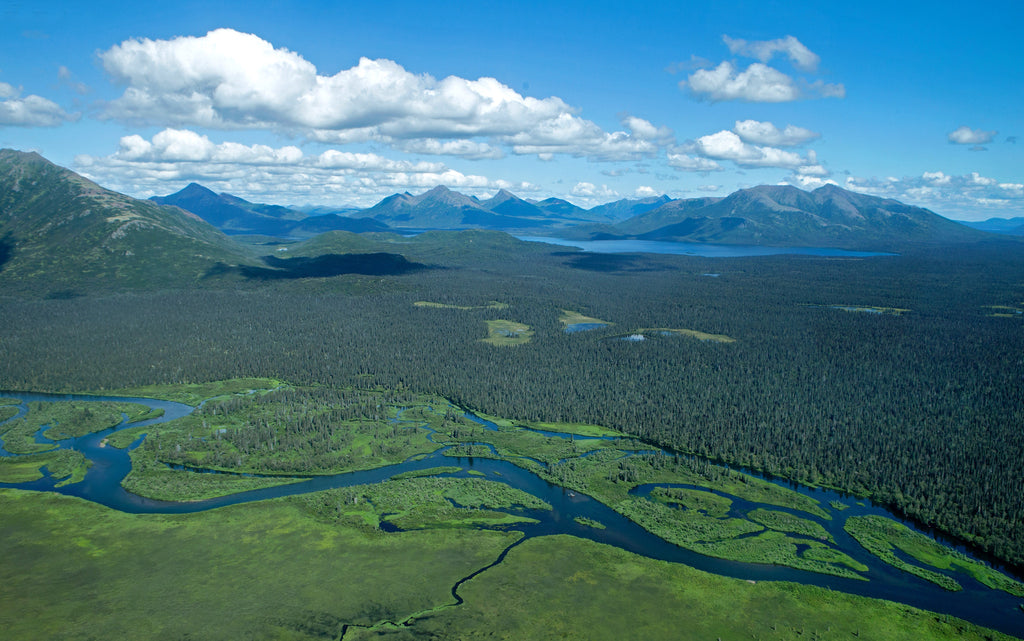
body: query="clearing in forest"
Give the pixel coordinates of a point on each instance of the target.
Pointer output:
(506, 332)
(1006, 311)
(867, 309)
(491, 305)
(577, 322)
(642, 334)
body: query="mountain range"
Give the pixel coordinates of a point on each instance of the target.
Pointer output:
(60, 231)
(442, 208)
(781, 215)
(233, 215)
(774, 215)
(1009, 226)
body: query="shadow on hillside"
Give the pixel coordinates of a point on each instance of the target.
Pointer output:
(6, 250)
(612, 263)
(325, 266)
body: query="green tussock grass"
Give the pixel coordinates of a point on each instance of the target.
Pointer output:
(77, 571)
(575, 318)
(785, 522)
(430, 471)
(582, 520)
(506, 333)
(882, 536)
(491, 305)
(693, 333)
(595, 592)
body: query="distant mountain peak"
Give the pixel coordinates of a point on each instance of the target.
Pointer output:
(443, 195)
(502, 196)
(829, 188)
(829, 216)
(236, 215)
(193, 190)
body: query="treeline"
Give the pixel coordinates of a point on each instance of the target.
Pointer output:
(924, 410)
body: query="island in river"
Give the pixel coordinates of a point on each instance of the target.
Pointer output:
(317, 512)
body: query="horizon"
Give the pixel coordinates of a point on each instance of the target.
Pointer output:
(483, 198)
(343, 106)
(351, 210)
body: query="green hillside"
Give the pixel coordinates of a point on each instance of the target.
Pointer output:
(61, 233)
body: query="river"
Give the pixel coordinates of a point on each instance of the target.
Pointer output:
(976, 603)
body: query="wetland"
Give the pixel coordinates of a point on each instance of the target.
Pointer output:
(394, 464)
(391, 474)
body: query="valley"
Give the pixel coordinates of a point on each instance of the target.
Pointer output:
(411, 495)
(386, 400)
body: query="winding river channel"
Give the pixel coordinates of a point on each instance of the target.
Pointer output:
(102, 484)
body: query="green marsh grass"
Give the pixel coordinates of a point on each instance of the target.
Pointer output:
(882, 536)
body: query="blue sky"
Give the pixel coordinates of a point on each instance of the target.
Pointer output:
(339, 103)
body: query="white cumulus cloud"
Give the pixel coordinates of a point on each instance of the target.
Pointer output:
(689, 162)
(232, 80)
(812, 170)
(765, 133)
(644, 130)
(967, 136)
(936, 177)
(570, 134)
(727, 145)
(30, 111)
(971, 196)
(174, 157)
(182, 145)
(334, 159)
(757, 83)
(591, 191)
(760, 82)
(763, 50)
(469, 149)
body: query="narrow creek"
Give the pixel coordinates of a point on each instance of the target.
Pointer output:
(976, 603)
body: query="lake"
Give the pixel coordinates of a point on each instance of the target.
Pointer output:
(695, 249)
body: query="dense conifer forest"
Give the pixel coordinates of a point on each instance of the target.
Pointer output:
(922, 408)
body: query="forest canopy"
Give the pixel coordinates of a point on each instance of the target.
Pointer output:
(921, 410)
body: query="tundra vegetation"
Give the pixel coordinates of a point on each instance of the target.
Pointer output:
(283, 431)
(326, 571)
(59, 421)
(505, 332)
(919, 410)
(570, 318)
(884, 537)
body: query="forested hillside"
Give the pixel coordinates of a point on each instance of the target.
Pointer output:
(898, 377)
